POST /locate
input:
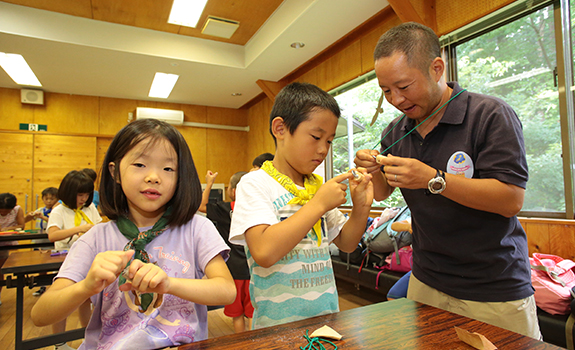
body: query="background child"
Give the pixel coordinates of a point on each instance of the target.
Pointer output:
(11, 215)
(92, 174)
(287, 220)
(11, 218)
(150, 190)
(220, 213)
(75, 216)
(50, 199)
(260, 160)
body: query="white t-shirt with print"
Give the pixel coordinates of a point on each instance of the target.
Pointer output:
(63, 218)
(301, 284)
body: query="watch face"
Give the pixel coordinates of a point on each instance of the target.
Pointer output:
(436, 185)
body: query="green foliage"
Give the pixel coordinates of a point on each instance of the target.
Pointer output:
(515, 63)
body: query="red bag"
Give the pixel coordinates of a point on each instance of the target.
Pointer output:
(553, 280)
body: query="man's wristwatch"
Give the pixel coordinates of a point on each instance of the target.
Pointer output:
(437, 184)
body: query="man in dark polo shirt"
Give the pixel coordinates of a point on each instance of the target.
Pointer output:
(459, 161)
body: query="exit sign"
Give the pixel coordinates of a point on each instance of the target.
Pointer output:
(33, 127)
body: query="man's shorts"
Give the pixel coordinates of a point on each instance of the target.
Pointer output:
(242, 305)
(519, 316)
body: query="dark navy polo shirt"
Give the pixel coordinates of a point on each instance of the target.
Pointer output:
(467, 253)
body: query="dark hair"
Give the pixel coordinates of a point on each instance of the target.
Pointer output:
(259, 160)
(418, 43)
(296, 101)
(73, 183)
(235, 179)
(188, 193)
(7, 201)
(52, 191)
(91, 173)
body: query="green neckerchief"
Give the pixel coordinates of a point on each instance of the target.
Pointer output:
(138, 242)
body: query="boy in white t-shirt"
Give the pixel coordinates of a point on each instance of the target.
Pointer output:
(286, 217)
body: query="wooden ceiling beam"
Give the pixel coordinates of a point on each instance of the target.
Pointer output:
(406, 12)
(270, 88)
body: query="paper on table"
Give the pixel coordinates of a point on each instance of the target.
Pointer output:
(476, 340)
(326, 332)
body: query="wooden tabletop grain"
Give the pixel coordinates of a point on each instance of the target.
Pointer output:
(32, 262)
(398, 324)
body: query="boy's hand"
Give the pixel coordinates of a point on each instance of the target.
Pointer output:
(85, 228)
(365, 158)
(361, 189)
(332, 193)
(106, 267)
(211, 177)
(146, 278)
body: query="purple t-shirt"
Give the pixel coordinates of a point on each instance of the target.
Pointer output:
(182, 252)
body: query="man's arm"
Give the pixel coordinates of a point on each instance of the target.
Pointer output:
(490, 195)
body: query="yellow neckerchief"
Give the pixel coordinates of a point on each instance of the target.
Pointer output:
(311, 184)
(78, 216)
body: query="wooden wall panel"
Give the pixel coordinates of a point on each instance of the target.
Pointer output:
(227, 154)
(114, 114)
(60, 109)
(340, 68)
(16, 154)
(102, 144)
(537, 238)
(194, 113)
(12, 111)
(227, 116)
(56, 155)
(197, 142)
(369, 41)
(562, 240)
(259, 138)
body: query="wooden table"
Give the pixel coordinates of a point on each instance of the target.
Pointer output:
(27, 235)
(22, 265)
(397, 324)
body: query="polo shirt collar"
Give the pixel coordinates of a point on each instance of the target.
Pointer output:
(456, 110)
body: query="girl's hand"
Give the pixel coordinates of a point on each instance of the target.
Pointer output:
(146, 278)
(106, 267)
(361, 189)
(332, 193)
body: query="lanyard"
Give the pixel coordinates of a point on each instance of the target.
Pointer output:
(410, 131)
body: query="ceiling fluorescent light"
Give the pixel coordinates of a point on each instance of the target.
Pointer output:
(16, 67)
(187, 12)
(162, 85)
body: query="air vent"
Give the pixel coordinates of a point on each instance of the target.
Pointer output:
(220, 27)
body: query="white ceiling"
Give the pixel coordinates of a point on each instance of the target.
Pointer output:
(82, 56)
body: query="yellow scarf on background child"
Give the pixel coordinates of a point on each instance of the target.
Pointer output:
(311, 184)
(79, 215)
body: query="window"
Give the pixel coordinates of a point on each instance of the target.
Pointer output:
(511, 54)
(359, 101)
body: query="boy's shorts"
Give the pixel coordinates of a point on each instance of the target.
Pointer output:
(242, 305)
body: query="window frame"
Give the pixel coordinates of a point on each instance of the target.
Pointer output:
(497, 19)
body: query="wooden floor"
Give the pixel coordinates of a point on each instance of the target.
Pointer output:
(218, 323)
